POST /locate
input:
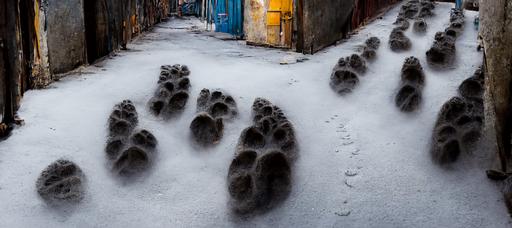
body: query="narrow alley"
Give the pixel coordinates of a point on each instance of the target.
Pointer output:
(361, 161)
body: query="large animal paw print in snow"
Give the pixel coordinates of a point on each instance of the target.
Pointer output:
(123, 119)
(420, 26)
(398, 41)
(442, 52)
(426, 7)
(214, 108)
(345, 75)
(172, 93)
(129, 151)
(411, 10)
(456, 22)
(459, 123)
(473, 87)
(344, 78)
(260, 174)
(410, 94)
(60, 183)
(370, 49)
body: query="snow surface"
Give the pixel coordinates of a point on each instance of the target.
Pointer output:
(363, 134)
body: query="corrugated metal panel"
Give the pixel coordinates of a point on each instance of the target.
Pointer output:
(235, 19)
(221, 16)
(227, 16)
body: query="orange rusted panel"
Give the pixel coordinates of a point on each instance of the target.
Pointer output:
(274, 5)
(279, 23)
(273, 18)
(286, 5)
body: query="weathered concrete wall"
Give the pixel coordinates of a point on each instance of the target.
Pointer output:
(66, 37)
(496, 30)
(324, 22)
(317, 23)
(39, 38)
(321, 23)
(255, 21)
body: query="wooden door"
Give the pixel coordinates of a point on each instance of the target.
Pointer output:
(279, 23)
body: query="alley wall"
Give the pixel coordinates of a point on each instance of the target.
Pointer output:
(43, 38)
(66, 35)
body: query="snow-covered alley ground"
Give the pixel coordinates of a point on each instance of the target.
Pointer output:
(396, 184)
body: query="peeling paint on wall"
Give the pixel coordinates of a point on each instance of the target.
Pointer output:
(316, 23)
(40, 38)
(255, 21)
(41, 75)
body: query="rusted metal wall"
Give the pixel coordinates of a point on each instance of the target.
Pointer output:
(7, 56)
(316, 23)
(323, 23)
(23, 54)
(13, 59)
(40, 38)
(110, 24)
(367, 9)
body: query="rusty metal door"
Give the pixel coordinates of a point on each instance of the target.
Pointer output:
(279, 23)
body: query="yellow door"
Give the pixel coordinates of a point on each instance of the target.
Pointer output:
(279, 23)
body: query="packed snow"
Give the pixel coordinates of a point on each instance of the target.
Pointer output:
(362, 163)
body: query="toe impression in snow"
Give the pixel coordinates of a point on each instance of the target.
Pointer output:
(214, 108)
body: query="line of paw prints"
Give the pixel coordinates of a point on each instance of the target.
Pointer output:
(412, 10)
(345, 75)
(348, 147)
(409, 96)
(442, 52)
(129, 151)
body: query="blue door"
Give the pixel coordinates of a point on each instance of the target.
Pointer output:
(235, 19)
(221, 16)
(228, 17)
